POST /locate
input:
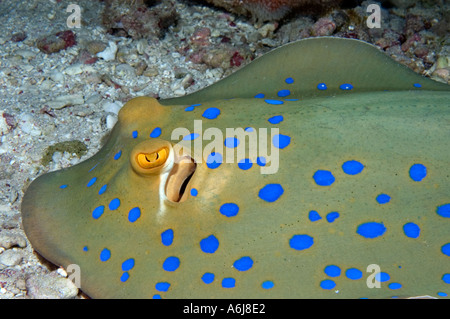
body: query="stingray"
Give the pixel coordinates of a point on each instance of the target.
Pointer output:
(319, 170)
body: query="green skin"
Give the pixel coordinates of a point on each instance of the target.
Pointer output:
(386, 131)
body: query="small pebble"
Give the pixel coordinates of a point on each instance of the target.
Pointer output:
(50, 286)
(11, 257)
(66, 100)
(8, 240)
(109, 54)
(111, 107)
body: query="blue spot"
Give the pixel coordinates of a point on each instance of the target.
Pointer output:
(162, 286)
(281, 141)
(191, 107)
(332, 271)
(443, 210)
(156, 297)
(382, 277)
(417, 85)
(124, 277)
(85, 248)
(128, 264)
(156, 132)
(91, 182)
(442, 294)
(284, 93)
(63, 186)
(322, 86)
(228, 282)
(167, 237)
(268, 284)
(446, 278)
(276, 119)
(134, 134)
(331, 217)
(291, 100)
(93, 167)
(134, 214)
(191, 137)
(231, 142)
(249, 129)
(314, 216)
(323, 178)
(211, 113)
(346, 87)
(118, 155)
(114, 204)
(103, 189)
(273, 102)
(327, 284)
(417, 172)
(171, 263)
(98, 212)
(289, 80)
(383, 199)
(209, 244)
(301, 242)
(352, 167)
(394, 286)
(259, 96)
(229, 209)
(446, 249)
(105, 254)
(208, 278)
(194, 192)
(243, 264)
(271, 192)
(371, 230)
(245, 164)
(261, 161)
(214, 160)
(353, 274)
(411, 230)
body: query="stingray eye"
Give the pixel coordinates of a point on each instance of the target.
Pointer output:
(152, 160)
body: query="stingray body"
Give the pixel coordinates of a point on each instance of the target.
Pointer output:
(333, 183)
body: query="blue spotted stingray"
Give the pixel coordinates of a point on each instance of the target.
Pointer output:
(355, 204)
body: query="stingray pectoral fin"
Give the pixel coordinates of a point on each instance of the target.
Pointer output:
(307, 64)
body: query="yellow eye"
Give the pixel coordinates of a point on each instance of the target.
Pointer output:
(152, 160)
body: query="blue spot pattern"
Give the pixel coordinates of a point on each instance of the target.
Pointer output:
(114, 204)
(105, 254)
(98, 211)
(231, 142)
(418, 172)
(209, 244)
(268, 284)
(314, 216)
(228, 282)
(276, 119)
(301, 242)
(327, 284)
(134, 214)
(289, 80)
(281, 141)
(156, 132)
(331, 217)
(214, 160)
(273, 102)
(229, 209)
(211, 113)
(102, 189)
(371, 229)
(208, 278)
(245, 164)
(243, 264)
(411, 230)
(346, 87)
(171, 263)
(322, 86)
(118, 155)
(162, 286)
(271, 192)
(323, 178)
(383, 199)
(167, 237)
(332, 271)
(352, 167)
(92, 182)
(284, 93)
(191, 136)
(353, 273)
(443, 210)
